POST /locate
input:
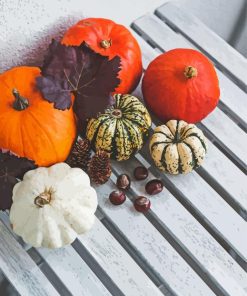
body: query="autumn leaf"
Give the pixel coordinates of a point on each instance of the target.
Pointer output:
(88, 75)
(12, 168)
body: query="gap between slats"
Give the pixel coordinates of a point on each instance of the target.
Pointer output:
(43, 266)
(85, 256)
(211, 180)
(232, 115)
(216, 62)
(183, 200)
(120, 237)
(6, 287)
(225, 150)
(136, 256)
(167, 234)
(222, 192)
(51, 275)
(233, 202)
(96, 268)
(146, 245)
(229, 112)
(89, 260)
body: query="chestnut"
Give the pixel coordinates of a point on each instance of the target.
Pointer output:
(154, 186)
(117, 197)
(123, 182)
(142, 204)
(140, 173)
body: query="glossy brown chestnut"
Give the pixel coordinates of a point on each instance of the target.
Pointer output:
(140, 173)
(123, 182)
(117, 197)
(154, 187)
(142, 204)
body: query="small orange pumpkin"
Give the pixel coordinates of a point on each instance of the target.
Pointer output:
(30, 126)
(110, 39)
(181, 84)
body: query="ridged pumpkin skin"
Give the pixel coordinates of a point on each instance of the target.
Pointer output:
(110, 39)
(178, 147)
(122, 130)
(40, 132)
(169, 94)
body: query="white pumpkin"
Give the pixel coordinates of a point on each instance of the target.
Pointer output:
(178, 147)
(52, 205)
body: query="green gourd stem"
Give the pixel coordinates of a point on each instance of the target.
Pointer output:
(20, 102)
(190, 72)
(43, 199)
(117, 113)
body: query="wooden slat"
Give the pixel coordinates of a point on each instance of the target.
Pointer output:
(166, 39)
(233, 97)
(217, 165)
(226, 174)
(159, 33)
(229, 59)
(79, 279)
(188, 233)
(73, 272)
(233, 137)
(199, 188)
(116, 262)
(214, 210)
(148, 53)
(19, 268)
(151, 245)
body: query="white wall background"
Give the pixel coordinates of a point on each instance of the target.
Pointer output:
(27, 26)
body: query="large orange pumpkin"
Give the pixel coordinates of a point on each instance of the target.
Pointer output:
(181, 84)
(30, 126)
(110, 39)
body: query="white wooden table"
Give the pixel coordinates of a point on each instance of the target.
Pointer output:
(193, 241)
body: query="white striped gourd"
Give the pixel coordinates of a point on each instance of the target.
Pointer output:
(121, 130)
(178, 147)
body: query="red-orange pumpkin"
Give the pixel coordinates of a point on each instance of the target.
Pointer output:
(181, 84)
(110, 39)
(30, 126)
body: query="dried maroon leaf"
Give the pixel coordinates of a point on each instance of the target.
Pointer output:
(88, 75)
(12, 168)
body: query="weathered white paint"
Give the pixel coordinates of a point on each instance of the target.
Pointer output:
(73, 272)
(215, 211)
(117, 263)
(230, 59)
(20, 269)
(189, 233)
(210, 205)
(228, 175)
(231, 135)
(177, 274)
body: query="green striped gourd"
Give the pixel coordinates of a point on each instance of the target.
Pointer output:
(121, 130)
(178, 147)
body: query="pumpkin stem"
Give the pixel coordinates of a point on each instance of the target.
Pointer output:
(117, 113)
(20, 102)
(106, 43)
(190, 72)
(43, 199)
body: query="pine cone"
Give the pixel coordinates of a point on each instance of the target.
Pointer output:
(99, 168)
(80, 154)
